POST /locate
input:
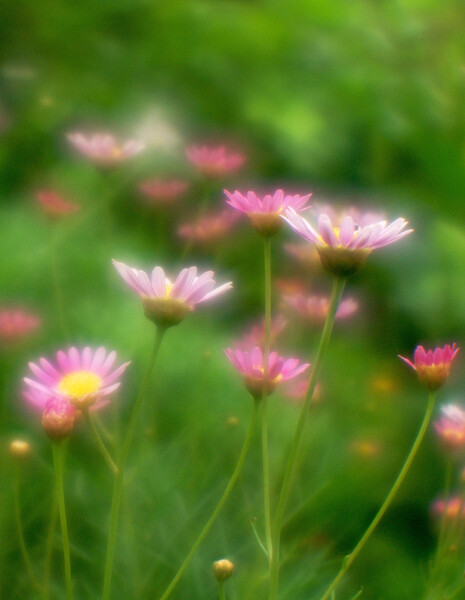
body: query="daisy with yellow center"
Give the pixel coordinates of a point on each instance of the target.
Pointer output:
(103, 149)
(83, 378)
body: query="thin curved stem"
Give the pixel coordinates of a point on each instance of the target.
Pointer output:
(219, 506)
(58, 463)
(20, 531)
(264, 421)
(336, 294)
(118, 483)
(349, 559)
(98, 439)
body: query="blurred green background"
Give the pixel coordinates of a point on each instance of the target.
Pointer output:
(360, 102)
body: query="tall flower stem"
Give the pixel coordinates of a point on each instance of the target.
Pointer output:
(264, 422)
(57, 289)
(20, 530)
(221, 594)
(58, 463)
(336, 294)
(98, 439)
(349, 559)
(119, 476)
(49, 546)
(219, 506)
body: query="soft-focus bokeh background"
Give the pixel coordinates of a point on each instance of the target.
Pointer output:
(359, 102)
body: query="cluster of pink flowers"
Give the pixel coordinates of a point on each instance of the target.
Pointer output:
(315, 308)
(208, 229)
(214, 161)
(451, 426)
(163, 191)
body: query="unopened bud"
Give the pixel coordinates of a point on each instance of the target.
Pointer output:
(58, 418)
(20, 449)
(223, 569)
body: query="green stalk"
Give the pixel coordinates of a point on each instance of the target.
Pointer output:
(119, 475)
(58, 463)
(98, 439)
(349, 559)
(219, 506)
(49, 546)
(336, 294)
(264, 422)
(20, 531)
(221, 594)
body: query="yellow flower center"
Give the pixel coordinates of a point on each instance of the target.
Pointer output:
(168, 288)
(79, 384)
(117, 152)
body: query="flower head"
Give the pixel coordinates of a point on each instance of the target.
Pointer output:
(16, 324)
(163, 191)
(58, 418)
(223, 569)
(251, 366)
(449, 507)
(451, 426)
(103, 149)
(315, 308)
(214, 161)
(432, 366)
(344, 248)
(209, 228)
(166, 303)
(255, 334)
(265, 212)
(82, 378)
(54, 205)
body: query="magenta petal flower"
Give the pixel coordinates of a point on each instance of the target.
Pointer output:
(103, 149)
(83, 378)
(252, 368)
(432, 366)
(58, 418)
(166, 303)
(214, 161)
(451, 426)
(265, 212)
(343, 249)
(315, 308)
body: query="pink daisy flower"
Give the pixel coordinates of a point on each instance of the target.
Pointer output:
(265, 212)
(214, 161)
(16, 324)
(209, 228)
(82, 378)
(432, 366)
(167, 303)
(315, 308)
(343, 248)
(451, 426)
(103, 148)
(252, 368)
(54, 205)
(163, 191)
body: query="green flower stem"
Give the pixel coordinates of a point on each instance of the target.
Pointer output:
(20, 530)
(264, 422)
(58, 463)
(49, 546)
(221, 594)
(219, 506)
(118, 483)
(336, 294)
(349, 559)
(98, 439)
(57, 289)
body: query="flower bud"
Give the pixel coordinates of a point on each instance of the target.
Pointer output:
(223, 569)
(165, 312)
(20, 449)
(58, 418)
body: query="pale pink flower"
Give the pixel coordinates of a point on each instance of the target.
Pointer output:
(54, 205)
(265, 212)
(344, 247)
(315, 308)
(449, 508)
(432, 366)
(251, 366)
(163, 191)
(451, 426)
(296, 390)
(103, 148)
(167, 303)
(16, 324)
(82, 378)
(214, 161)
(58, 417)
(209, 228)
(362, 218)
(255, 335)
